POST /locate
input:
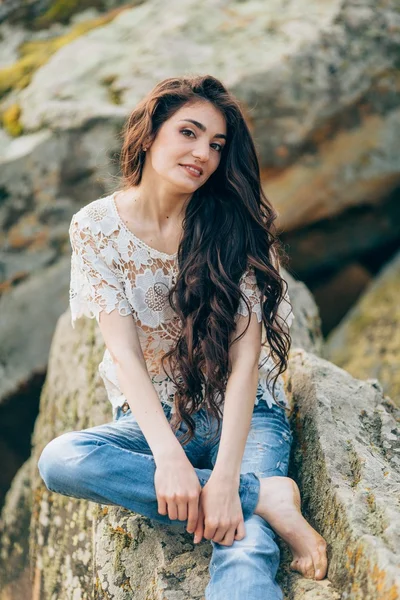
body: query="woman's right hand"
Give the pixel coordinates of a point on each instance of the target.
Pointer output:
(178, 490)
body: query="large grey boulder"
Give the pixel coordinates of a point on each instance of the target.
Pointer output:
(29, 313)
(318, 82)
(347, 463)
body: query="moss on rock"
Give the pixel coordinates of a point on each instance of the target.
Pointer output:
(35, 54)
(11, 120)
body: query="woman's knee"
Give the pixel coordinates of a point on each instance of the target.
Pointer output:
(55, 459)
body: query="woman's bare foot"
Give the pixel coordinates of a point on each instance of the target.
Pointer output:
(280, 504)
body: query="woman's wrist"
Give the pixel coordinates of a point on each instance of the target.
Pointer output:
(172, 453)
(226, 474)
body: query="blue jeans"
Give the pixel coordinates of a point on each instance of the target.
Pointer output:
(113, 464)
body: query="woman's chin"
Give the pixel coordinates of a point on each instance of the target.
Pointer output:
(185, 185)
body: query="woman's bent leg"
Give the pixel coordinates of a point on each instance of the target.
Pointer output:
(248, 568)
(112, 464)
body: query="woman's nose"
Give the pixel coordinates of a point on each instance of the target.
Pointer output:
(202, 152)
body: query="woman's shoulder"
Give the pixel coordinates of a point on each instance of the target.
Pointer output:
(93, 225)
(95, 213)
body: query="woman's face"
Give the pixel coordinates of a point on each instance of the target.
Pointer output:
(181, 142)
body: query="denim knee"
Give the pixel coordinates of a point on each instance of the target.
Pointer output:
(52, 463)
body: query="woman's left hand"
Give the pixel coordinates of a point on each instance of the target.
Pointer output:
(220, 515)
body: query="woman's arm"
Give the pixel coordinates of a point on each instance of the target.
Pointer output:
(176, 482)
(240, 393)
(220, 503)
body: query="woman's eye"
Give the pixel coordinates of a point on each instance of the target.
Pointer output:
(188, 130)
(184, 131)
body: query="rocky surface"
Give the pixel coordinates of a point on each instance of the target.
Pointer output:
(319, 81)
(347, 462)
(346, 459)
(39, 14)
(367, 342)
(27, 332)
(15, 580)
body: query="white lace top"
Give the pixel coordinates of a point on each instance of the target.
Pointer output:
(111, 269)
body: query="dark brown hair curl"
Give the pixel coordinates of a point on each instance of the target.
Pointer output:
(228, 227)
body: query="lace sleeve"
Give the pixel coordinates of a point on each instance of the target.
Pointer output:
(248, 285)
(93, 285)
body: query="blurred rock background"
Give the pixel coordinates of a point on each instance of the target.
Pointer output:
(319, 83)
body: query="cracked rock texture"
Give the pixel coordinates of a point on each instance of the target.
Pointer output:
(347, 461)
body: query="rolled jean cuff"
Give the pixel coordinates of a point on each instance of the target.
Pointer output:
(249, 491)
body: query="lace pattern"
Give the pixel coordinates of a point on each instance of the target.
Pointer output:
(112, 269)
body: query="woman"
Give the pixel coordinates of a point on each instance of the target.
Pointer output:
(180, 268)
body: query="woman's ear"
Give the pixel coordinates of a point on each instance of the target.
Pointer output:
(146, 144)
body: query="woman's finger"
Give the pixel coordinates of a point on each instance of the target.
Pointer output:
(172, 510)
(229, 537)
(199, 531)
(162, 506)
(240, 531)
(193, 513)
(209, 530)
(219, 534)
(182, 511)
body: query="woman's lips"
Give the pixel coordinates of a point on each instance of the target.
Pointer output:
(191, 172)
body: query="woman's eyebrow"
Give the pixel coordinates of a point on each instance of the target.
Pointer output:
(203, 127)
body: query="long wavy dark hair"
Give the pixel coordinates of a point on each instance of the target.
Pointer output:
(228, 226)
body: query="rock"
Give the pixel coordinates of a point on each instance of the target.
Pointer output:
(366, 342)
(363, 233)
(14, 539)
(306, 327)
(337, 295)
(20, 265)
(10, 39)
(29, 314)
(44, 179)
(48, 173)
(42, 13)
(347, 463)
(342, 171)
(10, 459)
(320, 88)
(346, 460)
